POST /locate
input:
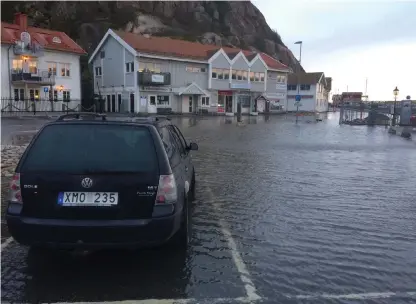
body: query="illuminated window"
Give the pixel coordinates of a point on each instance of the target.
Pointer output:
(52, 68)
(65, 72)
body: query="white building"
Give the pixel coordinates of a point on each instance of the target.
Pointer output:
(39, 65)
(314, 90)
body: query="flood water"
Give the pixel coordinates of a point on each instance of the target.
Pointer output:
(291, 213)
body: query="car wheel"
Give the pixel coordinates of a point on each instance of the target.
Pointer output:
(181, 239)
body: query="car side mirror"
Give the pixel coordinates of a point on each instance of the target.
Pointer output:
(193, 146)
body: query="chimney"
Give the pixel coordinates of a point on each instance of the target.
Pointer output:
(21, 20)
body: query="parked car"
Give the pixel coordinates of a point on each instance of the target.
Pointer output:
(87, 181)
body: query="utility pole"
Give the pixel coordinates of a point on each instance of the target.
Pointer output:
(298, 84)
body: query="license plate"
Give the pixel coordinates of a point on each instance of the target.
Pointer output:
(88, 198)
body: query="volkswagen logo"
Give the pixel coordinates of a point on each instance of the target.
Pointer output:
(86, 182)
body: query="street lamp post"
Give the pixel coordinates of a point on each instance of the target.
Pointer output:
(395, 93)
(298, 84)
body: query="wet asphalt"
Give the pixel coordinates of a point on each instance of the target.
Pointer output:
(285, 213)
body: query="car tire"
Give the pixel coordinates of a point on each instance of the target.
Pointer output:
(181, 239)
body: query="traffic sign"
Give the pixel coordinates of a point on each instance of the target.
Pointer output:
(298, 97)
(45, 89)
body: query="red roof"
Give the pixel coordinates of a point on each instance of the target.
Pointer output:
(11, 33)
(185, 49)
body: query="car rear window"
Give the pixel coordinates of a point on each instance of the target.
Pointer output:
(88, 148)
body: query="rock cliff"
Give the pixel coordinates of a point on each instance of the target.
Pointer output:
(234, 23)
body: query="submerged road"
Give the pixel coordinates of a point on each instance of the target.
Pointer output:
(285, 213)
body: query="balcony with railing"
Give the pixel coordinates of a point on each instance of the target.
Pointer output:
(32, 49)
(153, 79)
(33, 76)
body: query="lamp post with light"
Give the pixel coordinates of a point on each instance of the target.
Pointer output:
(395, 93)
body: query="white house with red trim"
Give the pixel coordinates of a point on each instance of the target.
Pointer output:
(141, 73)
(39, 64)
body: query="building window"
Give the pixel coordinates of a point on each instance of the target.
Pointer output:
(205, 101)
(102, 54)
(214, 74)
(163, 100)
(257, 77)
(52, 68)
(226, 73)
(53, 95)
(251, 76)
(305, 87)
(34, 94)
(65, 70)
(192, 69)
(33, 67)
(239, 75)
(281, 78)
(291, 87)
(220, 74)
(17, 65)
(19, 94)
(129, 67)
(234, 74)
(98, 71)
(66, 96)
(262, 77)
(149, 67)
(245, 75)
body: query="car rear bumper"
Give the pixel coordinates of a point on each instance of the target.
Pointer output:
(92, 233)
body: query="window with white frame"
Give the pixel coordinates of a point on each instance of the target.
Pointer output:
(17, 64)
(163, 100)
(53, 95)
(52, 68)
(193, 69)
(205, 101)
(129, 67)
(66, 96)
(98, 71)
(65, 70)
(149, 67)
(33, 67)
(19, 94)
(281, 78)
(220, 74)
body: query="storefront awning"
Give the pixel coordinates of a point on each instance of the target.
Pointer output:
(192, 89)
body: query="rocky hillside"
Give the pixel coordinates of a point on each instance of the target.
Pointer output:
(235, 23)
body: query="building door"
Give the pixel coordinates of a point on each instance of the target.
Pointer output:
(113, 103)
(119, 102)
(108, 103)
(229, 104)
(132, 103)
(191, 104)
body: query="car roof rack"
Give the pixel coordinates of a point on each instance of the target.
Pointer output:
(78, 115)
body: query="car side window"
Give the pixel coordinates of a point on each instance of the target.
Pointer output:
(181, 137)
(181, 147)
(167, 141)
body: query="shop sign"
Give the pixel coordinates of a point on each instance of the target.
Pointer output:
(281, 87)
(160, 89)
(158, 78)
(226, 93)
(243, 85)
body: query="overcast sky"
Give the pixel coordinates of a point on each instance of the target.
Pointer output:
(351, 40)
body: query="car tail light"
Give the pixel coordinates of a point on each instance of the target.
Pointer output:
(15, 193)
(166, 192)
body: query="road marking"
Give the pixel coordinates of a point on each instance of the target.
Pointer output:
(6, 243)
(170, 301)
(357, 296)
(245, 276)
